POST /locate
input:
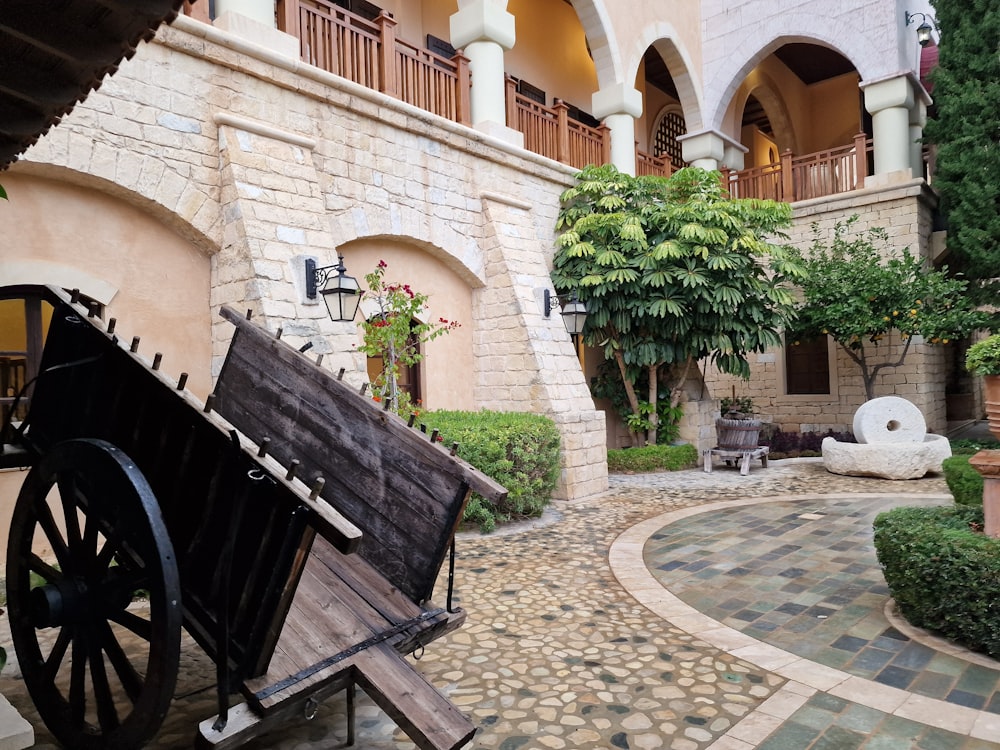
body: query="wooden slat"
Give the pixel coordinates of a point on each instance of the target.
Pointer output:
(427, 717)
(406, 493)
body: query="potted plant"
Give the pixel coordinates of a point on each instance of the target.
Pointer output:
(737, 428)
(983, 358)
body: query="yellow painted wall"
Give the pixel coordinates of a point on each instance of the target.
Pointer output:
(550, 51)
(162, 280)
(445, 371)
(836, 108)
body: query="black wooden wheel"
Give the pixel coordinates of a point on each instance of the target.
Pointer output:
(87, 536)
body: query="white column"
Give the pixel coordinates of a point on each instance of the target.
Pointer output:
(254, 21)
(619, 106)
(918, 118)
(889, 101)
(710, 149)
(484, 30)
(261, 11)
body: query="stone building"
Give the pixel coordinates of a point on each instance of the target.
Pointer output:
(252, 136)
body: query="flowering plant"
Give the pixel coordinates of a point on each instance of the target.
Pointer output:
(395, 333)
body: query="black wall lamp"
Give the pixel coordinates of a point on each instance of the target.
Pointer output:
(574, 312)
(341, 292)
(924, 29)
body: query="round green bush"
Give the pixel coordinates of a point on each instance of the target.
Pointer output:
(965, 483)
(943, 572)
(516, 449)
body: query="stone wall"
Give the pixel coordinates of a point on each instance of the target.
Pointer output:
(262, 161)
(904, 209)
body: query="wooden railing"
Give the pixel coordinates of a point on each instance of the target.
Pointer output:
(799, 178)
(653, 166)
(369, 54)
(550, 132)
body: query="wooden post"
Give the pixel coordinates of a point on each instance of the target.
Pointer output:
(288, 17)
(511, 100)
(860, 160)
(987, 463)
(787, 179)
(387, 57)
(562, 131)
(463, 103)
(605, 132)
(726, 180)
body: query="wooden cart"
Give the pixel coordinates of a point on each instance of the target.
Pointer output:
(293, 527)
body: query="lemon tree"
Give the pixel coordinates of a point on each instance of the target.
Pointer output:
(857, 289)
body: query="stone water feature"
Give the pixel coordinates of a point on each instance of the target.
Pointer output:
(893, 443)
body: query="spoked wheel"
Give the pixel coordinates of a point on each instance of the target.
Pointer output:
(86, 538)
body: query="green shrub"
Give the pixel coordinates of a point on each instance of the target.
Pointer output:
(965, 483)
(652, 458)
(520, 451)
(943, 572)
(971, 447)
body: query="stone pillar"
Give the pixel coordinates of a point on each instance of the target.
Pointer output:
(618, 106)
(261, 11)
(710, 149)
(890, 101)
(254, 21)
(987, 463)
(484, 30)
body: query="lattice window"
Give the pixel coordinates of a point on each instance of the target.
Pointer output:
(665, 139)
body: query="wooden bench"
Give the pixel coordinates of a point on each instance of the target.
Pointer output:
(352, 616)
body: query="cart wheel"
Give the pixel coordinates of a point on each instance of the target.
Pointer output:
(85, 538)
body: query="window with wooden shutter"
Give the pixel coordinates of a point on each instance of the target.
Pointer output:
(807, 365)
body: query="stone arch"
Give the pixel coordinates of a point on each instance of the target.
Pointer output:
(596, 22)
(730, 73)
(456, 249)
(148, 184)
(769, 95)
(661, 37)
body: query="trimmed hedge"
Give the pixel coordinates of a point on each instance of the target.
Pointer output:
(518, 450)
(652, 458)
(965, 483)
(943, 572)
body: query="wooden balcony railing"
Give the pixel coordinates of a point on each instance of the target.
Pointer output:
(550, 132)
(799, 178)
(653, 166)
(368, 53)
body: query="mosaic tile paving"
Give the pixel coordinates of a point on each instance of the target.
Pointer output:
(804, 577)
(826, 722)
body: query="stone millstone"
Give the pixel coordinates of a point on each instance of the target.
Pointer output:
(889, 419)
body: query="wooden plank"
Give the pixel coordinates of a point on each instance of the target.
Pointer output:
(406, 493)
(427, 717)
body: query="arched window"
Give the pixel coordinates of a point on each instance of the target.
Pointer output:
(670, 126)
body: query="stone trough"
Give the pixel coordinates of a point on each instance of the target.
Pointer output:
(893, 443)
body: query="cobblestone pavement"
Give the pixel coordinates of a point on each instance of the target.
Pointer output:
(579, 635)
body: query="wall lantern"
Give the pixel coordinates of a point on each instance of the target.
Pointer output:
(341, 292)
(924, 29)
(574, 312)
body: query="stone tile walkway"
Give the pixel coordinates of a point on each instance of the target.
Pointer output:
(600, 627)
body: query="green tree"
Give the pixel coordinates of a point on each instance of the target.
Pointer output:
(966, 130)
(857, 290)
(672, 271)
(395, 333)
